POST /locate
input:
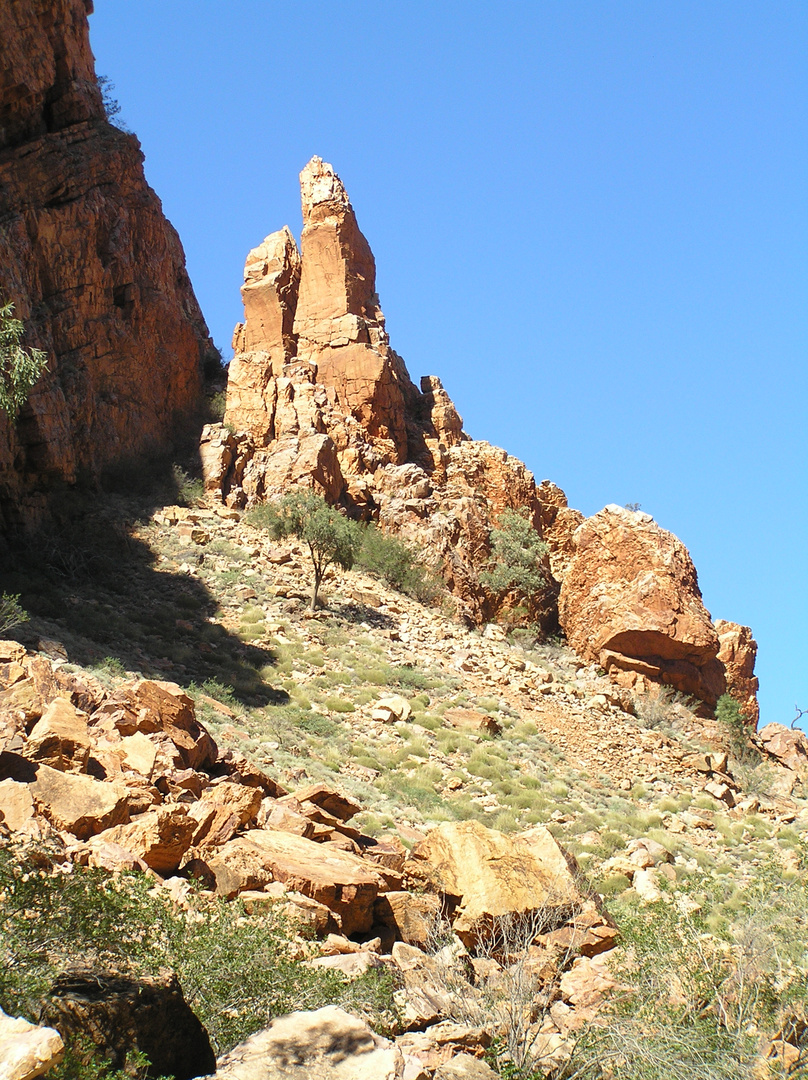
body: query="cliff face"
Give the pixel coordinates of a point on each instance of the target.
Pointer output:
(90, 263)
(316, 397)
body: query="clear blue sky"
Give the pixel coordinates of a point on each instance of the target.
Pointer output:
(589, 218)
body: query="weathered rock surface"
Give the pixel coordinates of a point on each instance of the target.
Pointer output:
(341, 881)
(737, 650)
(120, 1014)
(93, 268)
(630, 601)
(491, 875)
(318, 398)
(788, 745)
(26, 1050)
(328, 1043)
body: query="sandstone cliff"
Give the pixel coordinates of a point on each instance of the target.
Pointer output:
(90, 263)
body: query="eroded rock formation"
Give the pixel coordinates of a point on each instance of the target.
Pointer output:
(91, 264)
(317, 397)
(630, 601)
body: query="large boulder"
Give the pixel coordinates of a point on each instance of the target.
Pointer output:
(788, 746)
(491, 876)
(341, 881)
(160, 837)
(60, 738)
(27, 1050)
(630, 602)
(120, 1014)
(71, 802)
(329, 1044)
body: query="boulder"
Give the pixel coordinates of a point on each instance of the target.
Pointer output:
(788, 745)
(120, 1014)
(60, 738)
(328, 1043)
(465, 1067)
(341, 881)
(27, 1050)
(243, 802)
(388, 709)
(17, 809)
(76, 803)
(412, 917)
(333, 802)
(160, 837)
(630, 602)
(491, 876)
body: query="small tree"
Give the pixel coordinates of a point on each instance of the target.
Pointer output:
(516, 554)
(329, 536)
(11, 613)
(19, 368)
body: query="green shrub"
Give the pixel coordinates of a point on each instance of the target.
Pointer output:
(11, 613)
(189, 489)
(330, 536)
(237, 972)
(728, 712)
(19, 368)
(398, 564)
(516, 555)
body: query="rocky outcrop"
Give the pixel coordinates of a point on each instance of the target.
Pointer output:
(737, 650)
(317, 397)
(630, 602)
(92, 266)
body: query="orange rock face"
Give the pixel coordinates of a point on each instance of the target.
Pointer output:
(736, 653)
(318, 398)
(92, 266)
(630, 601)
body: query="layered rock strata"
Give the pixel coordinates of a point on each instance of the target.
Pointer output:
(94, 270)
(317, 397)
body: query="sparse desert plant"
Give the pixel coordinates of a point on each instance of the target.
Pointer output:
(11, 613)
(398, 564)
(728, 712)
(330, 536)
(237, 972)
(189, 489)
(516, 555)
(19, 367)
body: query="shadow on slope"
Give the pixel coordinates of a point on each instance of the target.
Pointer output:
(94, 588)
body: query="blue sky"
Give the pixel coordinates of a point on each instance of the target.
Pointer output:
(589, 219)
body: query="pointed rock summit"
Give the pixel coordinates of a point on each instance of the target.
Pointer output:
(318, 398)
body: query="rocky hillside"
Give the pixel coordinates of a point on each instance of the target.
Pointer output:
(472, 840)
(317, 397)
(92, 266)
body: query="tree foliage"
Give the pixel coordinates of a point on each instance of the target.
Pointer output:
(516, 554)
(19, 368)
(400, 565)
(11, 613)
(330, 537)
